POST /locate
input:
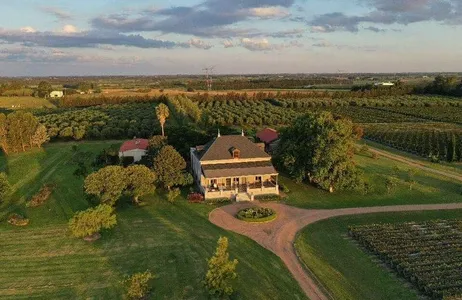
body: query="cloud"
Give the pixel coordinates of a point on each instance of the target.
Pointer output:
(263, 44)
(297, 33)
(228, 44)
(269, 12)
(387, 12)
(58, 13)
(69, 29)
(200, 44)
(211, 18)
(88, 39)
(375, 29)
(28, 29)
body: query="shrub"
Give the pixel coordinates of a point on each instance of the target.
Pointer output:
(92, 221)
(18, 220)
(218, 201)
(137, 285)
(284, 188)
(256, 214)
(268, 198)
(195, 198)
(42, 196)
(172, 195)
(5, 187)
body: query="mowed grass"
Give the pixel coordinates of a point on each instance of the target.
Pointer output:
(24, 102)
(171, 240)
(428, 189)
(348, 272)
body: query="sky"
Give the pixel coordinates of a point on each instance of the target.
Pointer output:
(157, 37)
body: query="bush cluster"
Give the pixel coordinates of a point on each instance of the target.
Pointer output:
(195, 198)
(42, 196)
(18, 220)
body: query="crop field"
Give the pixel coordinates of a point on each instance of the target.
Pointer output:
(24, 102)
(424, 139)
(102, 122)
(427, 254)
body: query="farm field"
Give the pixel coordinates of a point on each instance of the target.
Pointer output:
(427, 254)
(172, 240)
(344, 269)
(428, 188)
(24, 102)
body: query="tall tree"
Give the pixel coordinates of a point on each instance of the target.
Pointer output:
(44, 89)
(169, 167)
(162, 113)
(40, 136)
(17, 131)
(221, 270)
(319, 148)
(108, 184)
(140, 181)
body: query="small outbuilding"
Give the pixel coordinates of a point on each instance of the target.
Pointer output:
(57, 94)
(270, 137)
(136, 148)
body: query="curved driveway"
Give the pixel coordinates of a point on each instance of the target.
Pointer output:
(279, 236)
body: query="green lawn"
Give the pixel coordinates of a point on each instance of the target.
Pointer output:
(429, 188)
(348, 272)
(24, 102)
(173, 241)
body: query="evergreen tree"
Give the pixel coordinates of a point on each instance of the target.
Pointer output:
(221, 270)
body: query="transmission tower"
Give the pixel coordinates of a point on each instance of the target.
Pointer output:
(208, 77)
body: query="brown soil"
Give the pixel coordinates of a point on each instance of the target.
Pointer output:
(92, 238)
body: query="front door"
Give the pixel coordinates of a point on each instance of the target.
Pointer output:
(236, 182)
(243, 186)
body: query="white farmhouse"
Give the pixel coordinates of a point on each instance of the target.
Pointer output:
(384, 84)
(136, 148)
(57, 94)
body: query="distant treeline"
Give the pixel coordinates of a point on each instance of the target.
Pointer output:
(79, 101)
(274, 83)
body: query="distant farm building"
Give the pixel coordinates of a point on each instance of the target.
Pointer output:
(270, 137)
(136, 148)
(57, 94)
(384, 84)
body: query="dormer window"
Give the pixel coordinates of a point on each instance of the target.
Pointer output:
(236, 153)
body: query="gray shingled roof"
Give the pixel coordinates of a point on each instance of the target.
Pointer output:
(238, 169)
(219, 149)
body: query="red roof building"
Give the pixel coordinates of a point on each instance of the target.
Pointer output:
(268, 135)
(135, 144)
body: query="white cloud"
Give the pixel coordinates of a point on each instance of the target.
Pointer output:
(70, 29)
(28, 29)
(256, 44)
(269, 12)
(319, 29)
(200, 44)
(228, 43)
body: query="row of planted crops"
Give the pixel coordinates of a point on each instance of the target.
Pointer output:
(427, 254)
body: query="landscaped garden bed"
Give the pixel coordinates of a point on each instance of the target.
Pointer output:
(256, 214)
(427, 254)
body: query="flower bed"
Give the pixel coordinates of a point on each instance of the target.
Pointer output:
(18, 220)
(256, 214)
(196, 198)
(42, 196)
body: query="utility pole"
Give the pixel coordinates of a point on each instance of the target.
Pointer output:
(208, 77)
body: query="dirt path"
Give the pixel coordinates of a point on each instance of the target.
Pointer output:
(415, 164)
(279, 236)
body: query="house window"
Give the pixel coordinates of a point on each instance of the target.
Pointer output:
(258, 179)
(236, 153)
(228, 182)
(214, 183)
